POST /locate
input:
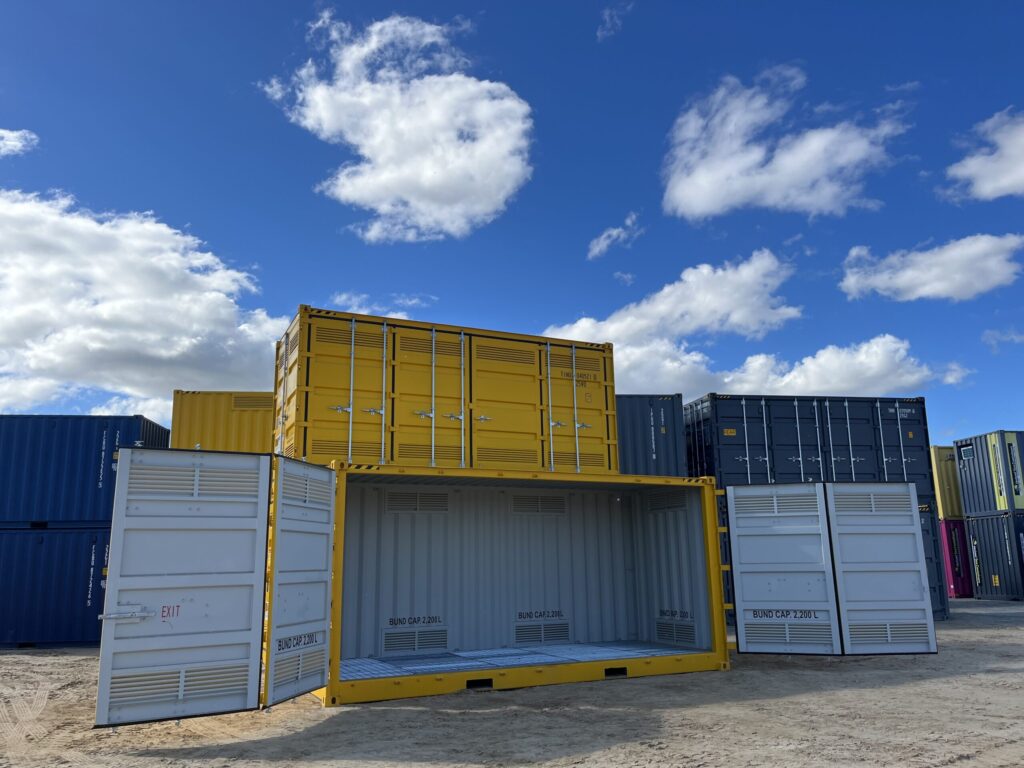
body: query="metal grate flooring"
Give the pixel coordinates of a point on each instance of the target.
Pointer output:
(497, 658)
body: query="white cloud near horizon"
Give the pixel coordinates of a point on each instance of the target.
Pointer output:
(958, 270)
(624, 235)
(17, 142)
(439, 152)
(119, 303)
(724, 154)
(996, 168)
(363, 304)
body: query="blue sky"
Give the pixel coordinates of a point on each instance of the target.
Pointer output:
(850, 176)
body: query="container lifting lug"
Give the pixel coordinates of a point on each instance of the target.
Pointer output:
(424, 414)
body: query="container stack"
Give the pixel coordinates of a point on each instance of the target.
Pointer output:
(58, 477)
(764, 440)
(992, 490)
(223, 421)
(951, 522)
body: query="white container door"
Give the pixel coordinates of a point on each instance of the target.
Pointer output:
(881, 573)
(296, 658)
(183, 617)
(782, 570)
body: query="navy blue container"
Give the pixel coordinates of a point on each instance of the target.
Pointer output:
(761, 439)
(58, 471)
(652, 435)
(52, 584)
(997, 556)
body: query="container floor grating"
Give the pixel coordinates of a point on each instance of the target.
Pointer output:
(496, 658)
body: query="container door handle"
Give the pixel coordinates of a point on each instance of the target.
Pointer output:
(557, 423)
(581, 425)
(339, 408)
(453, 416)
(133, 613)
(424, 414)
(374, 411)
(484, 418)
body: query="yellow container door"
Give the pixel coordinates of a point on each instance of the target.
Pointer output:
(287, 396)
(579, 410)
(347, 403)
(430, 392)
(505, 411)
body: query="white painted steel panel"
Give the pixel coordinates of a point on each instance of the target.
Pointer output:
(782, 570)
(297, 658)
(881, 573)
(183, 617)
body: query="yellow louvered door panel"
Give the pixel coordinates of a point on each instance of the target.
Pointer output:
(347, 384)
(429, 392)
(505, 412)
(580, 411)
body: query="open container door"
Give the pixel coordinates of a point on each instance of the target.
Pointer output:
(881, 573)
(183, 617)
(782, 570)
(295, 651)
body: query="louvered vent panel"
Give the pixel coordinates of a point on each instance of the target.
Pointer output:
(529, 634)
(441, 452)
(810, 633)
(675, 633)
(754, 505)
(765, 633)
(399, 642)
(410, 641)
(909, 633)
(432, 640)
(421, 345)
(144, 688)
(337, 447)
(342, 334)
(286, 670)
(161, 481)
(538, 504)
(567, 458)
(804, 504)
(506, 354)
(562, 360)
(869, 633)
(556, 633)
(245, 402)
(216, 681)
(289, 450)
(228, 482)
(507, 455)
(660, 500)
(417, 501)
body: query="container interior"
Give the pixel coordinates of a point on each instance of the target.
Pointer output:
(451, 578)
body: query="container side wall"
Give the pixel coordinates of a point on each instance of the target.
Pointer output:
(975, 474)
(52, 585)
(652, 435)
(997, 547)
(223, 421)
(947, 485)
(959, 579)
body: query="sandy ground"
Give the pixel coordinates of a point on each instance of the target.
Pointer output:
(962, 706)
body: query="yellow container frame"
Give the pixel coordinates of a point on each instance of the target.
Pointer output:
(340, 692)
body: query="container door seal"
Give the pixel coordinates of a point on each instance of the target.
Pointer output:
(782, 570)
(296, 655)
(881, 572)
(183, 617)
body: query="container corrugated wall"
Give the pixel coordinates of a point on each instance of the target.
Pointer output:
(652, 435)
(956, 553)
(763, 439)
(997, 556)
(990, 473)
(371, 390)
(52, 584)
(223, 421)
(947, 484)
(59, 470)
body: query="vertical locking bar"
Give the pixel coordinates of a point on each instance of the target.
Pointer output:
(433, 398)
(551, 416)
(462, 399)
(799, 443)
(817, 434)
(831, 445)
(351, 386)
(881, 439)
(899, 426)
(575, 415)
(384, 394)
(746, 442)
(767, 453)
(849, 435)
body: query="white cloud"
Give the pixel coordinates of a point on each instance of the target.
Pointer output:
(721, 159)
(16, 142)
(994, 338)
(624, 235)
(907, 87)
(626, 278)
(157, 409)
(735, 297)
(121, 303)
(413, 300)
(362, 304)
(997, 169)
(611, 20)
(959, 270)
(955, 373)
(441, 153)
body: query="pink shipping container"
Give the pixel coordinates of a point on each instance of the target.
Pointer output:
(958, 564)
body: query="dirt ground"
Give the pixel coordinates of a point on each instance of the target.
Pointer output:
(962, 706)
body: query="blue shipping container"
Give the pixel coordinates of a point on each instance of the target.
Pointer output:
(652, 435)
(52, 584)
(59, 471)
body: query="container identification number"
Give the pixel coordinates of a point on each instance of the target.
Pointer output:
(555, 614)
(774, 613)
(672, 613)
(299, 641)
(413, 621)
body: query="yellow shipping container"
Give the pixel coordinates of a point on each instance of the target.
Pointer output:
(947, 484)
(223, 421)
(372, 390)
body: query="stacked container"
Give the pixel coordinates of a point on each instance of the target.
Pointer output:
(223, 421)
(763, 439)
(58, 476)
(992, 489)
(951, 522)
(651, 435)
